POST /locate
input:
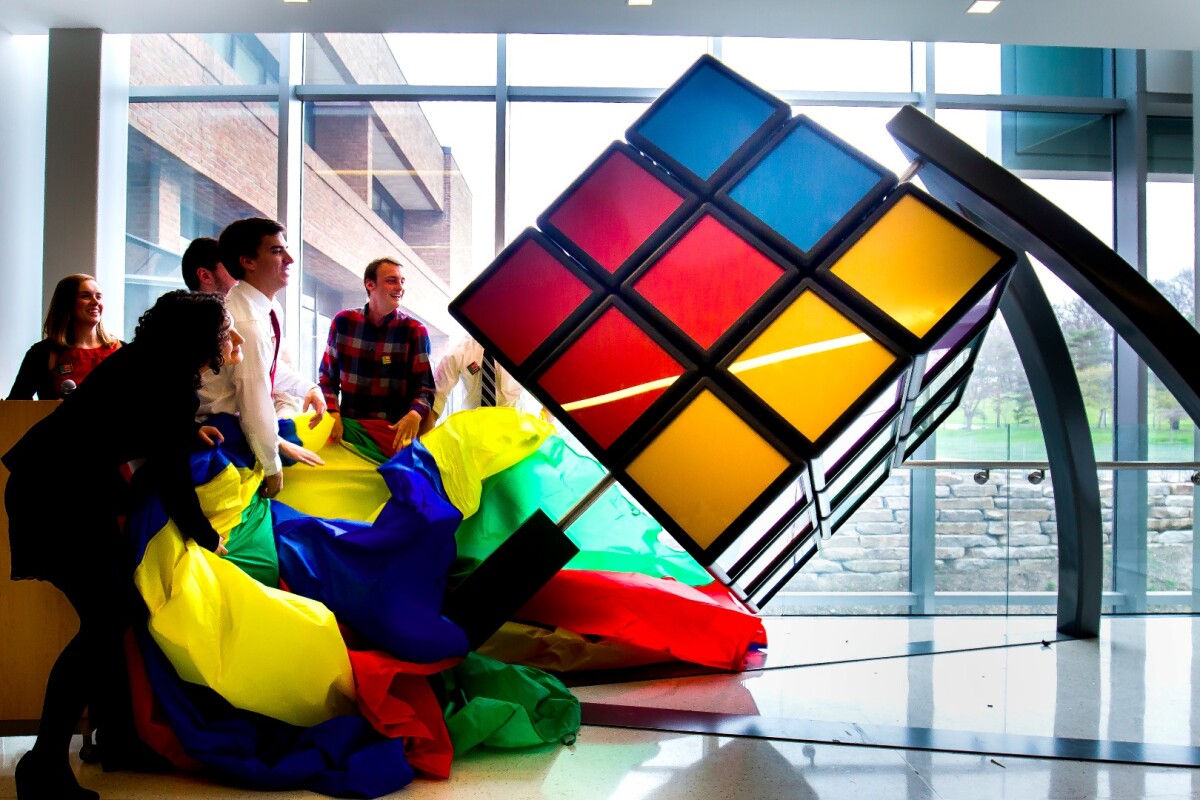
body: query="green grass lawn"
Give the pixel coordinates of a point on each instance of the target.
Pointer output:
(1024, 443)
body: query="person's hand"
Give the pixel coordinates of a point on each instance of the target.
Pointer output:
(406, 428)
(315, 399)
(335, 435)
(272, 485)
(210, 435)
(427, 423)
(301, 454)
(221, 549)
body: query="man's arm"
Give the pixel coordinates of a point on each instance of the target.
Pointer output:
(446, 377)
(329, 380)
(420, 381)
(509, 391)
(420, 372)
(252, 390)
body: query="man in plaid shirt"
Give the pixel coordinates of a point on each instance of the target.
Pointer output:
(377, 358)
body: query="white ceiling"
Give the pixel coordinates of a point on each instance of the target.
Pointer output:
(1151, 24)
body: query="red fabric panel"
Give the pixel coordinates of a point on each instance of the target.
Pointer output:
(380, 433)
(151, 725)
(612, 354)
(615, 210)
(395, 697)
(649, 613)
(707, 280)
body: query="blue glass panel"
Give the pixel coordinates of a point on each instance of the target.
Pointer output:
(804, 186)
(705, 120)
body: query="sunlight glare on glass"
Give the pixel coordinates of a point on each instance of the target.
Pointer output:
(799, 352)
(983, 6)
(621, 394)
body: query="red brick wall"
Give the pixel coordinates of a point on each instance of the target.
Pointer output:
(344, 142)
(235, 145)
(443, 239)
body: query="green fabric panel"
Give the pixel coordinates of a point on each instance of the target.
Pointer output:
(504, 705)
(357, 438)
(613, 535)
(251, 544)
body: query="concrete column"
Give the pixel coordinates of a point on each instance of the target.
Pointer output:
(23, 176)
(87, 143)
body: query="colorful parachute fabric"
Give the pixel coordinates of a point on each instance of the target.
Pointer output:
(344, 678)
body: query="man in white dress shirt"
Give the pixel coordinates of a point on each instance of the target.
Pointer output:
(203, 272)
(486, 384)
(255, 253)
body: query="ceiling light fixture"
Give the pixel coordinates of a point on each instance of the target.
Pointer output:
(983, 6)
(295, 1)
(640, 2)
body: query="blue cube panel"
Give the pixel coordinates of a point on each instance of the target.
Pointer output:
(704, 119)
(806, 186)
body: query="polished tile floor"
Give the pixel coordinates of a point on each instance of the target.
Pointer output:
(999, 688)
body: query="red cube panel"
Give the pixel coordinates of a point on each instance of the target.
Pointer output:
(609, 376)
(707, 280)
(525, 300)
(615, 210)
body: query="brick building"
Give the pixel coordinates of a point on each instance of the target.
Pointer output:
(376, 179)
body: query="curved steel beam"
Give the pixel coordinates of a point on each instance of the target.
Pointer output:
(1063, 417)
(1026, 221)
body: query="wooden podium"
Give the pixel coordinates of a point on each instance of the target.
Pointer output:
(36, 621)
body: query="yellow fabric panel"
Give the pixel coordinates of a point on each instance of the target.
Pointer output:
(706, 467)
(346, 487)
(473, 445)
(811, 364)
(225, 497)
(261, 649)
(313, 438)
(915, 265)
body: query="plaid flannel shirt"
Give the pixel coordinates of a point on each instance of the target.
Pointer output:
(381, 372)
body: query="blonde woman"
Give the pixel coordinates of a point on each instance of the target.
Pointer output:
(74, 342)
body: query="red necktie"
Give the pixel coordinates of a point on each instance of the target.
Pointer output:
(275, 358)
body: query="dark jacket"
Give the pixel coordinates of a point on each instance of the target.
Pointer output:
(34, 378)
(135, 404)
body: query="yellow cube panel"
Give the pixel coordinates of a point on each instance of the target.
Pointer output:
(706, 467)
(915, 265)
(811, 364)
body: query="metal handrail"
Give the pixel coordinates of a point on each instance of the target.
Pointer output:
(1044, 465)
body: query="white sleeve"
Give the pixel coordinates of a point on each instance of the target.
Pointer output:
(252, 387)
(288, 379)
(510, 391)
(445, 377)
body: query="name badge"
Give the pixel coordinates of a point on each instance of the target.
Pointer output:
(473, 368)
(387, 359)
(64, 369)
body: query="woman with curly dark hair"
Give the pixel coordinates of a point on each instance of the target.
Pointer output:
(140, 403)
(73, 342)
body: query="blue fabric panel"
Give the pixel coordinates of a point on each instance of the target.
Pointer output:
(385, 580)
(705, 121)
(344, 757)
(804, 187)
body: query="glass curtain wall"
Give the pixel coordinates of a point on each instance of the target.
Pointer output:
(440, 148)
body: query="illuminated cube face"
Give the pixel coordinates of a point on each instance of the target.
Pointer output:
(745, 319)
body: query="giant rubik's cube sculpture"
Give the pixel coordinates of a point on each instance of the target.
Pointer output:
(744, 319)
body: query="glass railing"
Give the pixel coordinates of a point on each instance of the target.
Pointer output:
(974, 530)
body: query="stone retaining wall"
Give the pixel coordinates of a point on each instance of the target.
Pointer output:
(991, 537)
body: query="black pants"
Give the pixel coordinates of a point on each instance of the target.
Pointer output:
(84, 554)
